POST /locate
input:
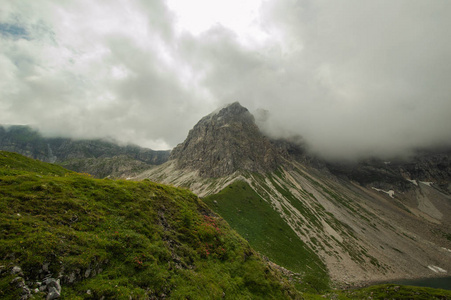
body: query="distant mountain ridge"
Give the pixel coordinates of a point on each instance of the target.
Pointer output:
(97, 157)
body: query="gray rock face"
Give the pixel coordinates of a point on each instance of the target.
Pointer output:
(53, 287)
(224, 142)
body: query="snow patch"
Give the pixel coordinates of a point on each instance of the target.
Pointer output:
(387, 162)
(446, 249)
(437, 269)
(428, 183)
(391, 193)
(413, 181)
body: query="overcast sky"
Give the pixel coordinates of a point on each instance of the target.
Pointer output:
(352, 77)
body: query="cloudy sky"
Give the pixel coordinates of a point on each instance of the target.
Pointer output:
(352, 77)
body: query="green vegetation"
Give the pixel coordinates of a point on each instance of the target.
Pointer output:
(255, 219)
(390, 291)
(122, 239)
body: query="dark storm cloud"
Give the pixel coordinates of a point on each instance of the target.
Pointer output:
(354, 78)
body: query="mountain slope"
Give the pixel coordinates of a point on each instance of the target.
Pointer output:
(383, 227)
(89, 238)
(100, 158)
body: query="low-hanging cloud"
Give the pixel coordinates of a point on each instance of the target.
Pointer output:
(354, 78)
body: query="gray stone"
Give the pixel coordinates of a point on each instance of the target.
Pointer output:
(19, 281)
(26, 293)
(72, 277)
(53, 293)
(53, 287)
(87, 273)
(17, 270)
(53, 283)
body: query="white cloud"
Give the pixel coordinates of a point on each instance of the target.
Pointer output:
(354, 78)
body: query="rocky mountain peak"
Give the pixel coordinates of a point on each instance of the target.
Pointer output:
(231, 113)
(225, 141)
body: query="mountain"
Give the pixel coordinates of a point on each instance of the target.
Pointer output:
(100, 158)
(353, 223)
(226, 141)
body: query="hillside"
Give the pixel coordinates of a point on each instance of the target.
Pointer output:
(87, 238)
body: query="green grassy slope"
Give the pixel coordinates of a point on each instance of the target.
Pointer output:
(120, 239)
(255, 219)
(390, 291)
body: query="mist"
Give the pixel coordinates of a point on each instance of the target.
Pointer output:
(355, 79)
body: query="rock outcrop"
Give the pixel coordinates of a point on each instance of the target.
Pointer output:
(224, 142)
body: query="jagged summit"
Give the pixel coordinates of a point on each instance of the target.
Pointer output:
(225, 141)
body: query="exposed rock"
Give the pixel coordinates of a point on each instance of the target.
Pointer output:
(53, 294)
(19, 282)
(53, 287)
(72, 277)
(224, 142)
(17, 270)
